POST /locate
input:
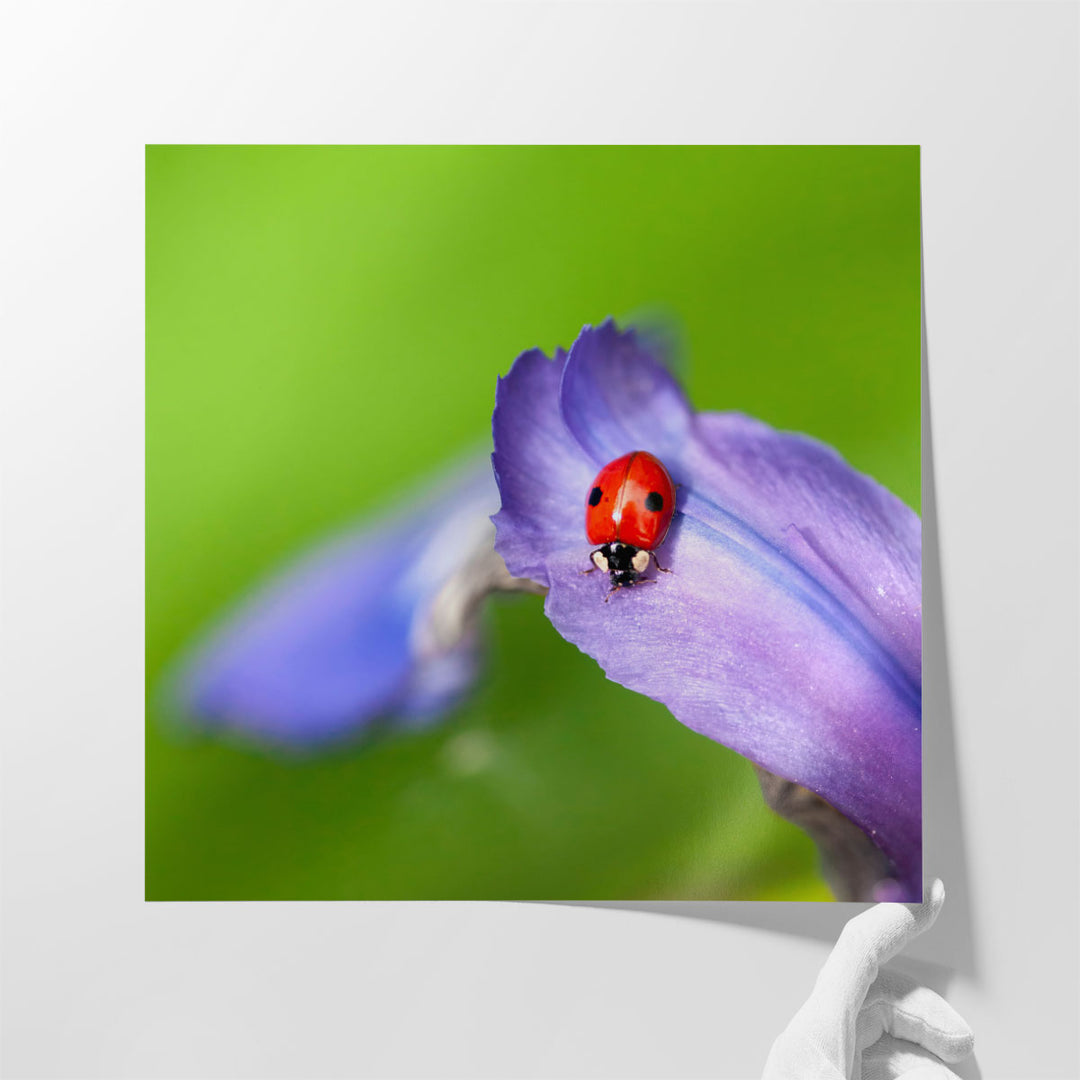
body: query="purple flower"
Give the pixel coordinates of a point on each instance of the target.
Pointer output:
(378, 622)
(791, 627)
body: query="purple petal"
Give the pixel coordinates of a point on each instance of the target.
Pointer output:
(527, 425)
(890, 892)
(438, 682)
(339, 639)
(615, 396)
(790, 627)
(839, 526)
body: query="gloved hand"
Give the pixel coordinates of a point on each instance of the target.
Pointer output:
(861, 1023)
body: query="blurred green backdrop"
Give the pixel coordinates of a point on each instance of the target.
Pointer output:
(326, 324)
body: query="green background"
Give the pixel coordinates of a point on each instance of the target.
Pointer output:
(325, 325)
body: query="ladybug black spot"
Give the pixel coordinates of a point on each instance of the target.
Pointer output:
(654, 501)
(595, 496)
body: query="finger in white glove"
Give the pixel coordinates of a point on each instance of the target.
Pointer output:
(870, 940)
(897, 1005)
(854, 1007)
(891, 1059)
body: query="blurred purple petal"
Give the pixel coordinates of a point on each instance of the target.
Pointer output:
(790, 629)
(345, 635)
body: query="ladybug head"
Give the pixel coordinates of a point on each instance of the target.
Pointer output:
(624, 562)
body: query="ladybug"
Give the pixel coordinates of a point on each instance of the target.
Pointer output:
(627, 512)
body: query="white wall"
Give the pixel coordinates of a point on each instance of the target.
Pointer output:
(99, 984)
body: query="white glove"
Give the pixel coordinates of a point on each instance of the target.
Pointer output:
(864, 1024)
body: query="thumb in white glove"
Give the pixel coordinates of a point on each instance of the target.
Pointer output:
(861, 1023)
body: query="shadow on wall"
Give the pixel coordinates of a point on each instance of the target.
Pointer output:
(950, 946)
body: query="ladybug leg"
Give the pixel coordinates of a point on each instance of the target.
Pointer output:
(589, 571)
(662, 569)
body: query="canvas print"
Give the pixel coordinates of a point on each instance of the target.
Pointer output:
(533, 523)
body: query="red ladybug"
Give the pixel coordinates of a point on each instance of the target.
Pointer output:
(627, 512)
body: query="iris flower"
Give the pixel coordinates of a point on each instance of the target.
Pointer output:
(378, 623)
(788, 630)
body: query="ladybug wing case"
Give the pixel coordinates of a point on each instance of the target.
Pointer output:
(631, 501)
